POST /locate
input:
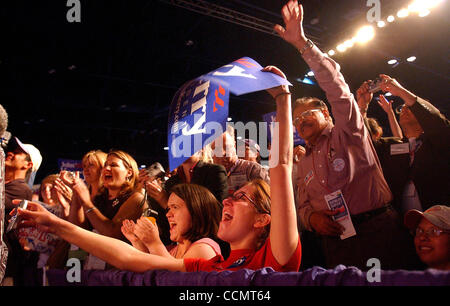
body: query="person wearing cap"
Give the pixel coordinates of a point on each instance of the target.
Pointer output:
(431, 235)
(21, 163)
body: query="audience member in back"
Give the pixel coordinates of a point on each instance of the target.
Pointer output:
(239, 171)
(260, 224)
(194, 216)
(341, 162)
(431, 235)
(21, 163)
(428, 133)
(249, 150)
(389, 149)
(118, 199)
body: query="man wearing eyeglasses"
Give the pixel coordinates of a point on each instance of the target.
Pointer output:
(340, 164)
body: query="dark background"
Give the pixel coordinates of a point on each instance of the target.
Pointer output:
(107, 82)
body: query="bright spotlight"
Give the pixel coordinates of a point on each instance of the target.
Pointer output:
(392, 62)
(331, 53)
(424, 13)
(381, 24)
(423, 5)
(365, 34)
(341, 48)
(348, 43)
(390, 18)
(411, 59)
(403, 13)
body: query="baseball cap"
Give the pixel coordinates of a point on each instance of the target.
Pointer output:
(35, 156)
(438, 215)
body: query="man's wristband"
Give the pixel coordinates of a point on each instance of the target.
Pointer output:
(309, 44)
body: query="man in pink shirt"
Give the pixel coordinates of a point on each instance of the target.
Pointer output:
(341, 164)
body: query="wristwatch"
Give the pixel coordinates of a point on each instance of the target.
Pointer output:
(309, 44)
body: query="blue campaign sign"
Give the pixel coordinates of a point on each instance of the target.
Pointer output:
(244, 76)
(269, 118)
(199, 110)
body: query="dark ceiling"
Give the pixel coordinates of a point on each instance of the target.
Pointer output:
(107, 81)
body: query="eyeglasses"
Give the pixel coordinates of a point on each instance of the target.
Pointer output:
(432, 232)
(303, 115)
(240, 195)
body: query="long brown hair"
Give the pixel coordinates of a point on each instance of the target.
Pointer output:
(131, 183)
(204, 208)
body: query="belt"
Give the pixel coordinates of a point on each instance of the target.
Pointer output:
(365, 216)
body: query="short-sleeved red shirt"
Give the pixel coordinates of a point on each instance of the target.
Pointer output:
(248, 259)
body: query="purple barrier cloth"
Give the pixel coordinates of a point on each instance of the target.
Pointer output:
(316, 276)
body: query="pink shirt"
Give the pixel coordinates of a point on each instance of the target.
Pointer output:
(343, 157)
(214, 245)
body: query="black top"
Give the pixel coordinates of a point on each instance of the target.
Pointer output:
(16, 189)
(211, 176)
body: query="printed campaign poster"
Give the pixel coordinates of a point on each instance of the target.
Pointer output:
(199, 110)
(70, 165)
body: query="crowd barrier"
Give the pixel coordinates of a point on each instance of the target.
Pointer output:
(316, 276)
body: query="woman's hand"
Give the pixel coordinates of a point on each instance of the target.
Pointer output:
(37, 216)
(279, 90)
(155, 191)
(147, 232)
(128, 231)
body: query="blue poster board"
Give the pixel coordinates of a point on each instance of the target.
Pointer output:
(199, 110)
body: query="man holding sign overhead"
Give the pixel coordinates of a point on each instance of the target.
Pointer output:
(343, 195)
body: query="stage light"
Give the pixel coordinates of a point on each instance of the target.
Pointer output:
(341, 48)
(166, 148)
(423, 5)
(331, 52)
(424, 13)
(403, 13)
(229, 119)
(411, 59)
(348, 43)
(365, 34)
(381, 24)
(390, 18)
(392, 62)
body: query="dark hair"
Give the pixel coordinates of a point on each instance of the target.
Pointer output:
(310, 101)
(204, 208)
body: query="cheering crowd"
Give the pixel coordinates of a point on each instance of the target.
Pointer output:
(347, 196)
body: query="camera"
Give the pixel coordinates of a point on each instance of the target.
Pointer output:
(156, 170)
(374, 86)
(15, 219)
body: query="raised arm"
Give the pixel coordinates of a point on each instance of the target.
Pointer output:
(284, 236)
(326, 71)
(113, 251)
(393, 123)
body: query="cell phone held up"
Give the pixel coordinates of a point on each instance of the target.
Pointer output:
(156, 170)
(15, 219)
